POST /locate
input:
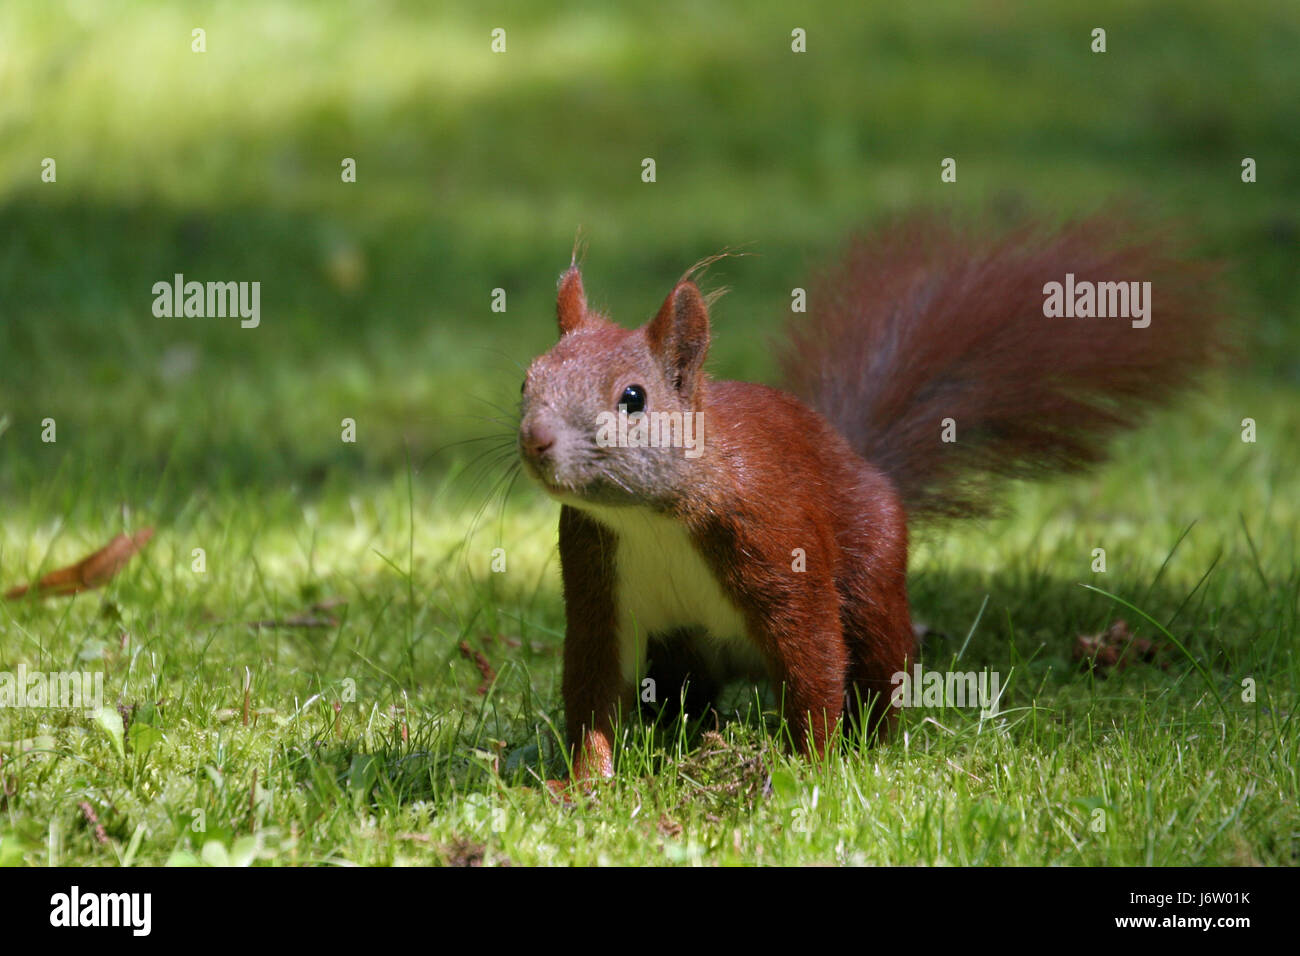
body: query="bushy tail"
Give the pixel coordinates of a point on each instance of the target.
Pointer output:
(924, 322)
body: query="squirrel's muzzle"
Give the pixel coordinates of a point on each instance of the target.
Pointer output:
(536, 438)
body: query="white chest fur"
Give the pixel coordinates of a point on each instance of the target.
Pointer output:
(662, 584)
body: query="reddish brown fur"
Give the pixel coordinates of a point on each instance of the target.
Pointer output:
(591, 686)
(831, 635)
(922, 322)
(916, 326)
(834, 633)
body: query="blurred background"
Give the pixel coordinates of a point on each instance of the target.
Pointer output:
(347, 596)
(476, 169)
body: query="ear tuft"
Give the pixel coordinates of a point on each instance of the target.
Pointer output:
(679, 335)
(571, 301)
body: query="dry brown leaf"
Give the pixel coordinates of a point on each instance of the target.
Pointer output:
(1116, 648)
(90, 572)
(669, 827)
(462, 852)
(92, 821)
(484, 668)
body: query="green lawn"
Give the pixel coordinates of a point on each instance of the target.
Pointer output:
(371, 737)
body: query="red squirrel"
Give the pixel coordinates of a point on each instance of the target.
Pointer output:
(777, 546)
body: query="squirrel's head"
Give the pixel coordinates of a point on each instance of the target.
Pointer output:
(612, 416)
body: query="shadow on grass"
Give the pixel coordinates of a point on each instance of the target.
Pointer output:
(1027, 633)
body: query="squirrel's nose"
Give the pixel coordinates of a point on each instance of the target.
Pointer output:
(537, 439)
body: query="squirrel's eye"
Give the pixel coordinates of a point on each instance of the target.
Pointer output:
(633, 399)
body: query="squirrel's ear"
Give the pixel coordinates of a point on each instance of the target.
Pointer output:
(679, 335)
(571, 302)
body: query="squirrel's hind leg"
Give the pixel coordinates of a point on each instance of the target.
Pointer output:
(808, 666)
(879, 636)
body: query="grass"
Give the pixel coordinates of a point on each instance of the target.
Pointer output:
(375, 739)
